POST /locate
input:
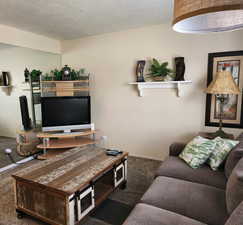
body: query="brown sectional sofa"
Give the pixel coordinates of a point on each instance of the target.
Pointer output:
(180, 195)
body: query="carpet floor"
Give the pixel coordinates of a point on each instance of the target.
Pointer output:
(6, 142)
(113, 211)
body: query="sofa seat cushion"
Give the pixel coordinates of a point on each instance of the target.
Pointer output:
(177, 168)
(236, 218)
(197, 201)
(149, 215)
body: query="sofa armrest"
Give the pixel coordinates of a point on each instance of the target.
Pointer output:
(176, 148)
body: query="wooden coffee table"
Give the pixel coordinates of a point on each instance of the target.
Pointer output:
(64, 189)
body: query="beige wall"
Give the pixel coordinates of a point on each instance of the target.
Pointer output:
(146, 126)
(15, 59)
(13, 36)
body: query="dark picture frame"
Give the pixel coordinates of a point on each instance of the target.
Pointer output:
(215, 61)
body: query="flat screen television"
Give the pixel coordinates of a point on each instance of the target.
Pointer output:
(65, 113)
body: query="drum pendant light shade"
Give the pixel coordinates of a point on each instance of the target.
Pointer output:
(203, 16)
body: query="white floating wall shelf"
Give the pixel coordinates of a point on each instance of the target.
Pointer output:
(157, 85)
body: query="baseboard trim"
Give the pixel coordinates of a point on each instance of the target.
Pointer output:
(146, 157)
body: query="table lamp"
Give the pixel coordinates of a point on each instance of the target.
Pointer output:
(222, 86)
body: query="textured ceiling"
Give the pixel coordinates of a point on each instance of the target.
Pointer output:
(70, 19)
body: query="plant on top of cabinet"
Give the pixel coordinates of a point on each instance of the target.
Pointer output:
(35, 75)
(66, 73)
(160, 71)
(56, 74)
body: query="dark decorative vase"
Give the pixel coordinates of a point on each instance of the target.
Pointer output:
(180, 68)
(140, 70)
(66, 73)
(26, 75)
(5, 78)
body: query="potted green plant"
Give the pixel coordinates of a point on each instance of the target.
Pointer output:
(160, 71)
(56, 74)
(81, 74)
(35, 75)
(47, 77)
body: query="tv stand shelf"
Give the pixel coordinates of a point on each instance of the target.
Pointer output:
(64, 141)
(67, 143)
(65, 135)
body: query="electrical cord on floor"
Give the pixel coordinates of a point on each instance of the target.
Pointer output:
(8, 153)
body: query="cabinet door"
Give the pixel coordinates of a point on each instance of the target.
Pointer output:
(119, 174)
(85, 202)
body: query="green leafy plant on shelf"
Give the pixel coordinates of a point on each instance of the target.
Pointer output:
(77, 74)
(58, 76)
(35, 75)
(160, 71)
(47, 77)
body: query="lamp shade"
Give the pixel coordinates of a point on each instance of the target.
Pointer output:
(223, 84)
(203, 16)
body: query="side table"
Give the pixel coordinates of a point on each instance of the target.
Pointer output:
(211, 135)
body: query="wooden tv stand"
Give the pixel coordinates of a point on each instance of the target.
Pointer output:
(63, 141)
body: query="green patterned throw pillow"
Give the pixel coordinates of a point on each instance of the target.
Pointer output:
(197, 151)
(222, 149)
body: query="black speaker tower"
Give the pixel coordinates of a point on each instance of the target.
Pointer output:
(26, 121)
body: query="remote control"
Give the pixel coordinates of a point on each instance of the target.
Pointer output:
(113, 152)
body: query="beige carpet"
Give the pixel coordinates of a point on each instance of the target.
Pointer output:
(6, 142)
(7, 207)
(140, 176)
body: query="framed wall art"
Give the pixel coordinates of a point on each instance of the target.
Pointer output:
(232, 110)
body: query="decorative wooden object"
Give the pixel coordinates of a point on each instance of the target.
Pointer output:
(180, 68)
(64, 88)
(27, 142)
(66, 188)
(158, 85)
(140, 70)
(64, 141)
(198, 16)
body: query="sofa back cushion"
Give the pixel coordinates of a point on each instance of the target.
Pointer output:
(234, 188)
(236, 218)
(234, 156)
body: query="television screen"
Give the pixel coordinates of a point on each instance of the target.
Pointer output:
(65, 111)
